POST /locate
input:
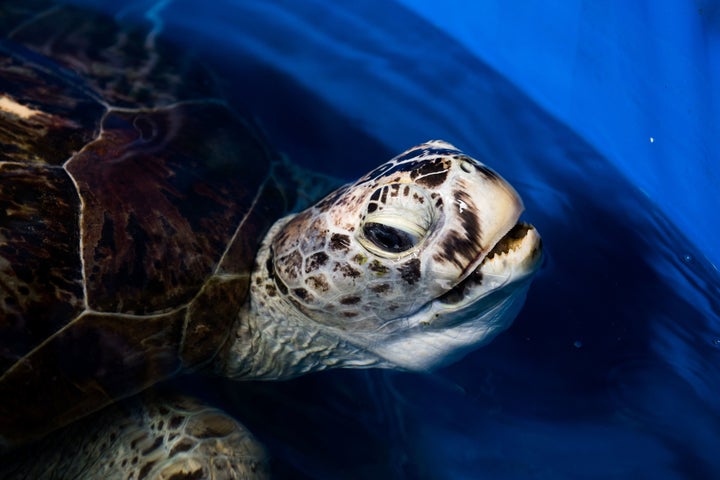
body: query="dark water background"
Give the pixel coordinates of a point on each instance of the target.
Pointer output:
(612, 370)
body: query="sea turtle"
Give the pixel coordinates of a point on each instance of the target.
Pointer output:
(146, 231)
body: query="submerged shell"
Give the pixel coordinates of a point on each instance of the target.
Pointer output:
(132, 200)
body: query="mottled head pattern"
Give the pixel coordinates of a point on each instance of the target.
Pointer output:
(372, 256)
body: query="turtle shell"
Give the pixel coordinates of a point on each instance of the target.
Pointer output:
(132, 201)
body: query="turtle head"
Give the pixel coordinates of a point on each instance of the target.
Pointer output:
(418, 261)
(413, 265)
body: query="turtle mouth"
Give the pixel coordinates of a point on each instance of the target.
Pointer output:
(511, 241)
(514, 257)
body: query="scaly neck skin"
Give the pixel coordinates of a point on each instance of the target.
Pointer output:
(273, 340)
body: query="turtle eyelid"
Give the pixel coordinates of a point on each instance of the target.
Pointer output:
(388, 238)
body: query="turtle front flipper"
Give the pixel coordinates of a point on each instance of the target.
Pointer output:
(150, 437)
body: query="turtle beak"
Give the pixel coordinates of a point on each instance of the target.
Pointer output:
(516, 257)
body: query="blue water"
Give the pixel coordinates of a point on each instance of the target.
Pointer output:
(638, 80)
(612, 370)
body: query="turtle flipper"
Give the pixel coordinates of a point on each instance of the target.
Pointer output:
(151, 437)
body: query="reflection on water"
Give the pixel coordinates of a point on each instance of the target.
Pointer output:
(611, 370)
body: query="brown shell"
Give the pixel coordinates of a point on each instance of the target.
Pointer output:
(131, 205)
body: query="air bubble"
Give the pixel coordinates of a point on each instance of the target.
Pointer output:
(687, 258)
(716, 342)
(577, 344)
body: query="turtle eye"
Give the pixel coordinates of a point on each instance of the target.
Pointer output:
(397, 219)
(388, 238)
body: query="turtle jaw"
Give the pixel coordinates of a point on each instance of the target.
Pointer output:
(475, 310)
(516, 256)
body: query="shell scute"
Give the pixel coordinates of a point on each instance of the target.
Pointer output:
(132, 202)
(44, 115)
(160, 208)
(80, 369)
(40, 272)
